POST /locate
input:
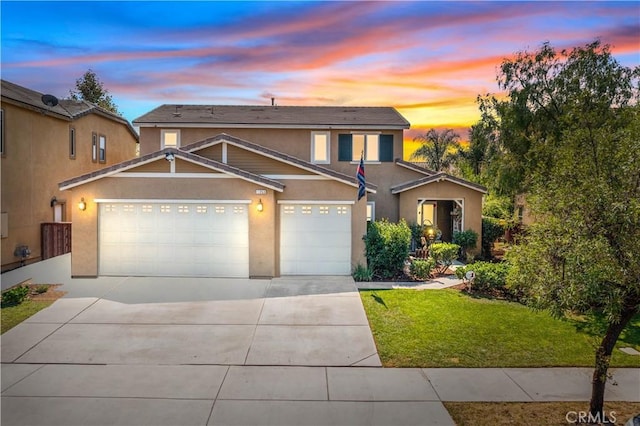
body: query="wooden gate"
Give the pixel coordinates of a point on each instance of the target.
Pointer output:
(56, 239)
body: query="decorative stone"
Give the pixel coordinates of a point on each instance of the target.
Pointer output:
(630, 351)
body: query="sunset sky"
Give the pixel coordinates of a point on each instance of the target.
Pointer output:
(430, 60)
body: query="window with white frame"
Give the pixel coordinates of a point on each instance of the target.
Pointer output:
(366, 144)
(170, 138)
(371, 211)
(102, 149)
(320, 147)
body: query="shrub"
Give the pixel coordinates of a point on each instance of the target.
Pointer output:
(444, 254)
(362, 273)
(15, 296)
(466, 240)
(489, 276)
(496, 206)
(42, 288)
(387, 247)
(421, 268)
(492, 229)
(417, 232)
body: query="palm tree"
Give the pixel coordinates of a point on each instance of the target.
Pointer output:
(438, 149)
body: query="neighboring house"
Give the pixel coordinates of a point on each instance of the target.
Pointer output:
(522, 211)
(257, 191)
(42, 145)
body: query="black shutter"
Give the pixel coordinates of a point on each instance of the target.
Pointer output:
(345, 152)
(386, 148)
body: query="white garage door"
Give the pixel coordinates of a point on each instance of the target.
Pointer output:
(173, 239)
(315, 239)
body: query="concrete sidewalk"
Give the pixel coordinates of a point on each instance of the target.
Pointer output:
(36, 394)
(288, 351)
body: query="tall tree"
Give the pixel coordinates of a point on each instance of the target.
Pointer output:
(90, 88)
(475, 160)
(437, 149)
(569, 132)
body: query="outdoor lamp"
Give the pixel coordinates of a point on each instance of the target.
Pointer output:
(82, 205)
(260, 207)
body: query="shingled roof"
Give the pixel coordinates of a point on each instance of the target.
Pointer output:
(274, 116)
(438, 177)
(67, 109)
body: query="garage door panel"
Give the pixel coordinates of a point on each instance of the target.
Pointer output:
(315, 239)
(164, 239)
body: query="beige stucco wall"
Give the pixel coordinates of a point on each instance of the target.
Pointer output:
(443, 191)
(37, 159)
(297, 142)
(263, 226)
(84, 256)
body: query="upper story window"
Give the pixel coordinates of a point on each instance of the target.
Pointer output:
(366, 145)
(102, 149)
(320, 143)
(72, 143)
(2, 151)
(170, 138)
(372, 146)
(94, 147)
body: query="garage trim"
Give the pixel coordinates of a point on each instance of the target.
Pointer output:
(170, 201)
(332, 202)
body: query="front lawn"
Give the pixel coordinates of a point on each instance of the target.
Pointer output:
(448, 328)
(14, 315)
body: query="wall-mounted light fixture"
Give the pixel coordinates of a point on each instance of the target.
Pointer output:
(82, 205)
(169, 156)
(260, 206)
(53, 201)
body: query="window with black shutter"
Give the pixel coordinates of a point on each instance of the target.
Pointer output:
(373, 147)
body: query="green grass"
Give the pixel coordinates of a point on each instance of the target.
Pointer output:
(447, 328)
(14, 315)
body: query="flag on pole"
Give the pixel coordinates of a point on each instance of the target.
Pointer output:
(361, 180)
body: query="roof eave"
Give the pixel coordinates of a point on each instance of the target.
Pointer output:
(296, 162)
(354, 126)
(155, 156)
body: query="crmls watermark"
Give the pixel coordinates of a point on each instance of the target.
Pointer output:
(585, 417)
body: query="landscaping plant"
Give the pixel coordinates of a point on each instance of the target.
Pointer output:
(421, 268)
(387, 247)
(15, 296)
(568, 127)
(492, 229)
(466, 240)
(444, 254)
(362, 273)
(490, 277)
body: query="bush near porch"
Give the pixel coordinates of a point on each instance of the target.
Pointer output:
(387, 248)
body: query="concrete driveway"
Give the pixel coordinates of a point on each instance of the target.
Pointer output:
(174, 351)
(295, 321)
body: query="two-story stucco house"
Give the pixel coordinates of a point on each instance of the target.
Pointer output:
(42, 145)
(257, 191)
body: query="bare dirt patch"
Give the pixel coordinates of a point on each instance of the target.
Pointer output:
(45, 292)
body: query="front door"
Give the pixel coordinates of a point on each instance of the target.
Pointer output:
(426, 213)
